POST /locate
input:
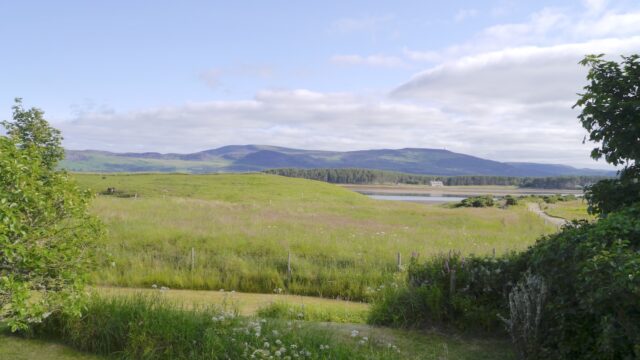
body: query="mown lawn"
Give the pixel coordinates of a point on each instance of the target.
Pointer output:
(243, 226)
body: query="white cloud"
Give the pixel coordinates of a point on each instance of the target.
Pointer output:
(595, 6)
(297, 118)
(530, 74)
(426, 56)
(371, 60)
(464, 14)
(330, 121)
(504, 94)
(515, 83)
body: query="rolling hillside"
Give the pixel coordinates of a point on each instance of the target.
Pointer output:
(242, 158)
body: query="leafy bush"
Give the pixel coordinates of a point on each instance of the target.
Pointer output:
(593, 272)
(592, 275)
(467, 293)
(510, 200)
(477, 201)
(46, 231)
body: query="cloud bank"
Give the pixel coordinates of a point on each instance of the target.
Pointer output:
(505, 94)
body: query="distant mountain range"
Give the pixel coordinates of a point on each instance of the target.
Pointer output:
(242, 158)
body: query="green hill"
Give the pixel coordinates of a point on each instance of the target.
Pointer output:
(243, 158)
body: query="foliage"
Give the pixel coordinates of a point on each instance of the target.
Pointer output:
(45, 229)
(610, 108)
(465, 292)
(608, 196)
(369, 176)
(592, 272)
(151, 328)
(560, 182)
(510, 200)
(610, 113)
(29, 130)
(477, 201)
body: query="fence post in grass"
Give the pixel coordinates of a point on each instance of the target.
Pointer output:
(494, 252)
(452, 282)
(399, 261)
(193, 259)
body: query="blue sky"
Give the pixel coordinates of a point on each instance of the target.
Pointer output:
(490, 78)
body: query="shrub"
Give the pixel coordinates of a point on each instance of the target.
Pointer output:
(510, 200)
(477, 201)
(593, 272)
(46, 232)
(592, 276)
(467, 293)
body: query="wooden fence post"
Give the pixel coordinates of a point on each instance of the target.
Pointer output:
(193, 259)
(399, 261)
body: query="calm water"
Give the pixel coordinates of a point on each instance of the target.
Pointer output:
(417, 198)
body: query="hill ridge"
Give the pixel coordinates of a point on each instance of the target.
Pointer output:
(251, 157)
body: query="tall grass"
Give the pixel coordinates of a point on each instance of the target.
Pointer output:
(242, 228)
(149, 328)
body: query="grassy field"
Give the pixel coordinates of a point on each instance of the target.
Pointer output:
(242, 227)
(570, 210)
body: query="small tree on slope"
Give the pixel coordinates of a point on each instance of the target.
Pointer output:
(46, 231)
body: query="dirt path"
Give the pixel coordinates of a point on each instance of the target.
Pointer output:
(535, 208)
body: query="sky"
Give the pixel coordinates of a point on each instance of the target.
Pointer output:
(495, 79)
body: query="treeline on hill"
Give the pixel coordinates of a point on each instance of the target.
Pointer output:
(367, 176)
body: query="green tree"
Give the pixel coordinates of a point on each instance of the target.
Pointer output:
(30, 129)
(611, 113)
(46, 232)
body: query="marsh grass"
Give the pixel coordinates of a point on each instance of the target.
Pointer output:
(242, 227)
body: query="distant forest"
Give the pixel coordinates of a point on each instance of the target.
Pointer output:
(366, 176)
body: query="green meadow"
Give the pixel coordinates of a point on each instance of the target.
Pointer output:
(242, 228)
(570, 210)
